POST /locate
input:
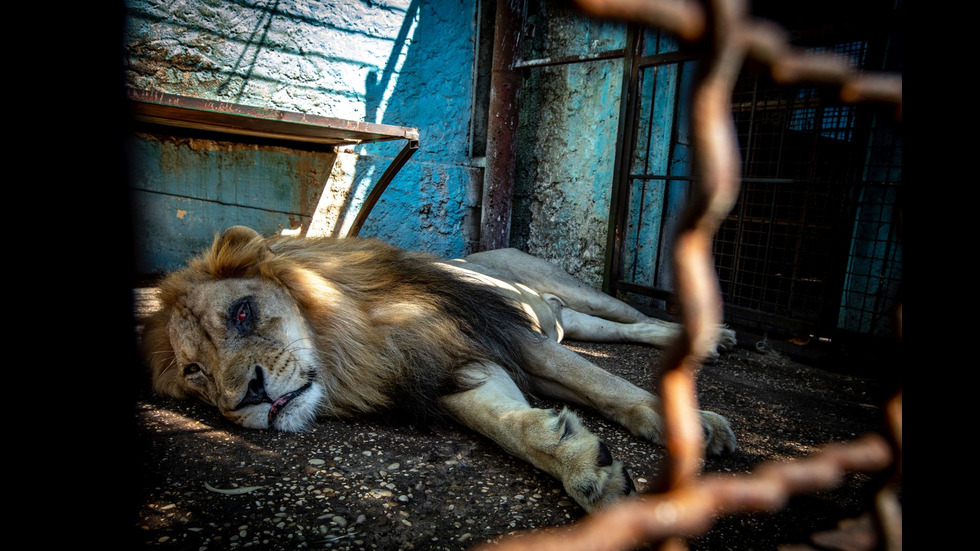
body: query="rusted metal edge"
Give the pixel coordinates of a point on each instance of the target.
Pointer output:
(379, 187)
(232, 118)
(565, 60)
(621, 161)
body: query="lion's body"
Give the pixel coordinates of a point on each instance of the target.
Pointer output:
(275, 332)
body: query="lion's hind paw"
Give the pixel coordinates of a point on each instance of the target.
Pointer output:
(725, 342)
(719, 438)
(726, 339)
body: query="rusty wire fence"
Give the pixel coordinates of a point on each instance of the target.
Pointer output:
(691, 501)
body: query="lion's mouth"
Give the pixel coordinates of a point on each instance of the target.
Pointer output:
(283, 401)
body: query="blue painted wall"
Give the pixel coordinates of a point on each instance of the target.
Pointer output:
(663, 147)
(398, 62)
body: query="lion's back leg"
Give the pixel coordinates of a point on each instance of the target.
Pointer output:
(555, 442)
(586, 313)
(548, 279)
(584, 327)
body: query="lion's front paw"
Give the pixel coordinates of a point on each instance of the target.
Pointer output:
(719, 437)
(589, 473)
(605, 483)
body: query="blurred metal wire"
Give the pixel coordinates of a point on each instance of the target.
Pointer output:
(691, 501)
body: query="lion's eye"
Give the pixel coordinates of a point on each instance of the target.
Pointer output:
(191, 369)
(241, 315)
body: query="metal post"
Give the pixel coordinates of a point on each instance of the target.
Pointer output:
(505, 96)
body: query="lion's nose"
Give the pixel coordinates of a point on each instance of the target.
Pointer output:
(256, 390)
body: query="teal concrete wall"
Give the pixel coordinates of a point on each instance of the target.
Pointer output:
(567, 142)
(399, 62)
(186, 190)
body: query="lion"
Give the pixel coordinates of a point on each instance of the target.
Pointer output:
(276, 332)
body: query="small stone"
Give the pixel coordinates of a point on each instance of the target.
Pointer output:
(317, 462)
(340, 521)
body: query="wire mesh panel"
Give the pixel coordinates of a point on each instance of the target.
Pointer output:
(810, 246)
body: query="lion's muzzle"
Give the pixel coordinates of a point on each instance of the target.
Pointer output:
(282, 401)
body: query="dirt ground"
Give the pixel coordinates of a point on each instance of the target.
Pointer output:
(206, 484)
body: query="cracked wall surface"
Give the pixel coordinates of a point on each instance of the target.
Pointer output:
(567, 142)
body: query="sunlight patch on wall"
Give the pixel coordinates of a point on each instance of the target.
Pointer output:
(399, 53)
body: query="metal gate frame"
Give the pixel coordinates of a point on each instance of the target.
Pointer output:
(783, 299)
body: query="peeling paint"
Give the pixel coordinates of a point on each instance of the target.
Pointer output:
(565, 165)
(567, 142)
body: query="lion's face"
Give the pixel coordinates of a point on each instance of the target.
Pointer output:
(243, 346)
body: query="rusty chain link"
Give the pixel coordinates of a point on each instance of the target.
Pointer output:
(690, 502)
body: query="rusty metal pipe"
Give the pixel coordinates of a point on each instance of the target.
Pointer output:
(505, 97)
(381, 185)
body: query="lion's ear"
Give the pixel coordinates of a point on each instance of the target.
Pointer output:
(237, 250)
(237, 234)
